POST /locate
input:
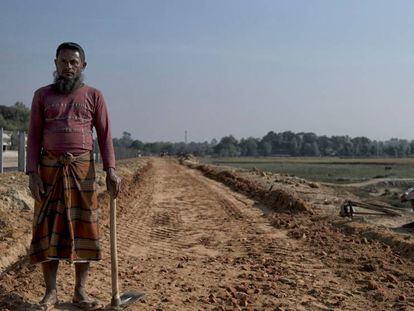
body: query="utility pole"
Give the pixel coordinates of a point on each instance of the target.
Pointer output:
(185, 137)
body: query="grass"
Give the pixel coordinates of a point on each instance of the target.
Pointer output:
(333, 170)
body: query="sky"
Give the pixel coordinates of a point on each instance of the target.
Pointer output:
(220, 67)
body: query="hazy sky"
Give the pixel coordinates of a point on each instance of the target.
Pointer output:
(225, 67)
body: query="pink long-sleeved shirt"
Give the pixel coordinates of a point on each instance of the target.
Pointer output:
(64, 123)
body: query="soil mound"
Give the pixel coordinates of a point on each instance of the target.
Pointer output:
(279, 200)
(17, 200)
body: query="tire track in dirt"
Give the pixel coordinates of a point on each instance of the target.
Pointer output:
(216, 236)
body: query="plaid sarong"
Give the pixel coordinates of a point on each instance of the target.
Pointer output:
(65, 224)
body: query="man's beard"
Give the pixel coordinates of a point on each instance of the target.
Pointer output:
(66, 86)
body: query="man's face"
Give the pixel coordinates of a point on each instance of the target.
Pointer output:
(69, 64)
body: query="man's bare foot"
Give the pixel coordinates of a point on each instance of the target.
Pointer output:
(84, 302)
(49, 299)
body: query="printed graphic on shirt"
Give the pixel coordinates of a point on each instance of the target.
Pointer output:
(68, 110)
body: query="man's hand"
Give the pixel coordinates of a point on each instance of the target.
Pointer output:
(36, 186)
(113, 182)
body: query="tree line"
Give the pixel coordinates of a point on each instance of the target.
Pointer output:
(14, 118)
(288, 143)
(276, 144)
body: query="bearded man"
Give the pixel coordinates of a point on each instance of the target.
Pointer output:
(62, 175)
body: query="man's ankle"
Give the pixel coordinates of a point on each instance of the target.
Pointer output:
(51, 290)
(50, 296)
(80, 291)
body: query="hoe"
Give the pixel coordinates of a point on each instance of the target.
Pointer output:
(118, 301)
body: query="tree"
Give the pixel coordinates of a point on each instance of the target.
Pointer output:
(265, 148)
(137, 144)
(20, 106)
(294, 146)
(325, 145)
(15, 117)
(227, 147)
(126, 139)
(269, 143)
(249, 146)
(362, 146)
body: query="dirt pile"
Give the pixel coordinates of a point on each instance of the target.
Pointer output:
(279, 200)
(293, 206)
(16, 210)
(188, 159)
(131, 183)
(401, 244)
(17, 200)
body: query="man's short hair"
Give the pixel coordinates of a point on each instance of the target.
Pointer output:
(71, 46)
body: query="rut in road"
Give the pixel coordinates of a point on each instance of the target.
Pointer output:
(191, 243)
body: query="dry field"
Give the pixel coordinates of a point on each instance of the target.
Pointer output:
(205, 238)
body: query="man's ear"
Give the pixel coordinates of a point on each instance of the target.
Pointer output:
(84, 65)
(56, 63)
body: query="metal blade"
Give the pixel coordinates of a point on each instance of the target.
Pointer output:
(130, 297)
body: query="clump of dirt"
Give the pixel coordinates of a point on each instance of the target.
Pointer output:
(15, 199)
(281, 201)
(401, 244)
(188, 159)
(277, 199)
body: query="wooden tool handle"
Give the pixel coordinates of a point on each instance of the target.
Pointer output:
(116, 301)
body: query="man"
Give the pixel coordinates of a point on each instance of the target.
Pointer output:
(62, 175)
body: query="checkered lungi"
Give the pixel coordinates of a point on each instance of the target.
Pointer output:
(65, 224)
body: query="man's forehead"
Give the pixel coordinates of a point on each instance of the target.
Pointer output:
(69, 53)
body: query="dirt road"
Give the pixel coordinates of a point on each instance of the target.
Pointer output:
(190, 243)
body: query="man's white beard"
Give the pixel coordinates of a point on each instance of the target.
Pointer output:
(66, 86)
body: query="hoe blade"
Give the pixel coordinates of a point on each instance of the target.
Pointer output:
(125, 300)
(129, 298)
